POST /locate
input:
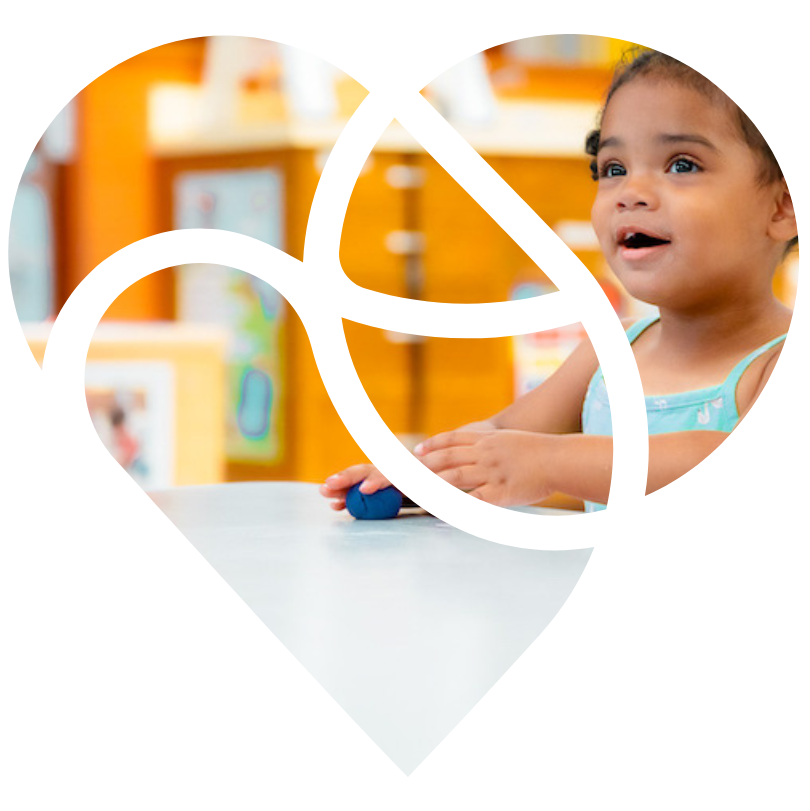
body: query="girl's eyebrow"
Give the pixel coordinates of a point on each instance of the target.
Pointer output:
(665, 138)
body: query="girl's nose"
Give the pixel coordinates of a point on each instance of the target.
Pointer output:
(636, 192)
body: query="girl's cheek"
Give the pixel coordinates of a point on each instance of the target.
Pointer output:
(600, 211)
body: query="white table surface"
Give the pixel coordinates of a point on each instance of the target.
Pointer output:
(406, 623)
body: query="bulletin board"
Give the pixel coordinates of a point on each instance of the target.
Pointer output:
(249, 202)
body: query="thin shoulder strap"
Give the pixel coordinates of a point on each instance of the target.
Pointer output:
(737, 372)
(632, 332)
(639, 326)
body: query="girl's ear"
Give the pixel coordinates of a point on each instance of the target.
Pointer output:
(782, 227)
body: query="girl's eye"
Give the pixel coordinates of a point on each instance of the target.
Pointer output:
(613, 170)
(682, 166)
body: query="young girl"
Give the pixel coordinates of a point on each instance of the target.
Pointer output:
(694, 216)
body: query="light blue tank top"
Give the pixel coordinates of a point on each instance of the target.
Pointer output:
(711, 409)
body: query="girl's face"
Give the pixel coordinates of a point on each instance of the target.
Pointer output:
(679, 212)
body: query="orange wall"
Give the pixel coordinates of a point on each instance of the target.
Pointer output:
(110, 199)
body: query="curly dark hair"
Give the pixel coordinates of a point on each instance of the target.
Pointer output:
(638, 61)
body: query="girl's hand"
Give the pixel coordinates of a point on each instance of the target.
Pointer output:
(337, 485)
(503, 467)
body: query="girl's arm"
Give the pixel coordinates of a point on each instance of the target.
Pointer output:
(511, 468)
(585, 470)
(555, 406)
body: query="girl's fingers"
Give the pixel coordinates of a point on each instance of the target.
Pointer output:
(448, 458)
(374, 483)
(338, 484)
(467, 478)
(342, 481)
(448, 439)
(338, 504)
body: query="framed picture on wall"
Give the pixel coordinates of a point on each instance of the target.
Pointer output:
(249, 202)
(131, 404)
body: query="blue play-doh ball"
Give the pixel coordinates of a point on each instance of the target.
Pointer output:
(376, 506)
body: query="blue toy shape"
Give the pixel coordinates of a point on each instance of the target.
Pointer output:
(383, 504)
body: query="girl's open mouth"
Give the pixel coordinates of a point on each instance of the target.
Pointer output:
(637, 244)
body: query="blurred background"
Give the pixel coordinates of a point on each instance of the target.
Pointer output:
(203, 374)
